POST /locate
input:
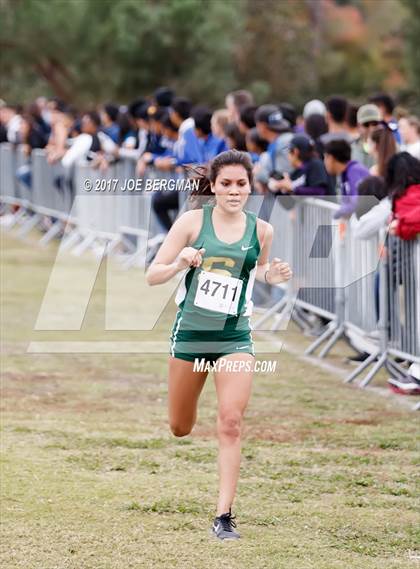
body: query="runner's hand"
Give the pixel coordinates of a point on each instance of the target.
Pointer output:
(279, 271)
(190, 257)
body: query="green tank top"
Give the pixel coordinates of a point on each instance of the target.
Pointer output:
(226, 277)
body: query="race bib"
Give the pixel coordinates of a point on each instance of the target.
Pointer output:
(218, 292)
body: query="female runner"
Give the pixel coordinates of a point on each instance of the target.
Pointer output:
(225, 248)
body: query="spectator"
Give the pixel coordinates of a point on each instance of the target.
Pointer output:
(336, 120)
(351, 121)
(134, 144)
(179, 115)
(127, 137)
(403, 180)
(315, 126)
(155, 115)
(11, 120)
(373, 210)
(35, 115)
(163, 201)
(157, 144)
(163, 97)
(235, 101)
(372, 213)
(233, 137)
(209, 145)
(255, 145)
(289, 113)
(169, 135)
(186, 148)
(3, 129)
(31, 136)
(219, 120)
(314, 107)
(109, 116)
(247, 118)
(368, 119)
(61, 123)
(180, 112)
(90, 143)
(386, 105)
(309, 177)
(338, 163)
(273, 128)
(382, 147)
(409, 128)
(42, 105)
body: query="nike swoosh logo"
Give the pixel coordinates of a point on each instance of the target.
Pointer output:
(241, 347)
(246, 248)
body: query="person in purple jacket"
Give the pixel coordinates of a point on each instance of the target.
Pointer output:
(309, 176)
(337, 159)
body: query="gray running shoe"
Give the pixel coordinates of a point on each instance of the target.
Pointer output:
(222, 527)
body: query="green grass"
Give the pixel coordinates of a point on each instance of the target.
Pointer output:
(93, 479)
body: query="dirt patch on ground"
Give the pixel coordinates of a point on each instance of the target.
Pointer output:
(254, 433)
(274, 435)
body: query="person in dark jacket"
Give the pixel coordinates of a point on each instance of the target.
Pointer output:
(309, 177)
(32, 136)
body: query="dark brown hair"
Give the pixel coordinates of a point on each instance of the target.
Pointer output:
(403, 171)
(387, 147)
(206, 175)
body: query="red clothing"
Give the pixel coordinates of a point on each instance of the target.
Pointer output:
(407, 211)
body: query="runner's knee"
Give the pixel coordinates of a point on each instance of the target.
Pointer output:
(229, 424)
(180, 430)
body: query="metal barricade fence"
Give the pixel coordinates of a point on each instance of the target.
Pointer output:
(305, 237)
(96, 204)
(362, 266)
(132, 209)
(403, 284)
(8, 192)
(22, 163)
(399, 312)
(336, 276)
(315, 257)
(142, 222)
(49, 194)
(53, 190)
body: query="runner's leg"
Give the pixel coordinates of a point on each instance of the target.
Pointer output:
(233, 393)
(184, 388)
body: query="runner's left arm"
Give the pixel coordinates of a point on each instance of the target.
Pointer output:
(275, 272)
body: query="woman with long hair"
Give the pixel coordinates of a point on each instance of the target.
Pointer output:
(382, 148)
(402, 180)
(224, 248)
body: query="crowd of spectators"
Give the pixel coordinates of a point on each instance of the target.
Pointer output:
(331, 147)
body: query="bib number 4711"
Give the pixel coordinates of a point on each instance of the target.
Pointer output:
(218, 292)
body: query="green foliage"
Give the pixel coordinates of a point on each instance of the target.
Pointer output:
(413, 41)
(95, 50)
(102, 50)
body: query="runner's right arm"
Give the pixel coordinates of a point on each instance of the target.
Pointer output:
(174, 255)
